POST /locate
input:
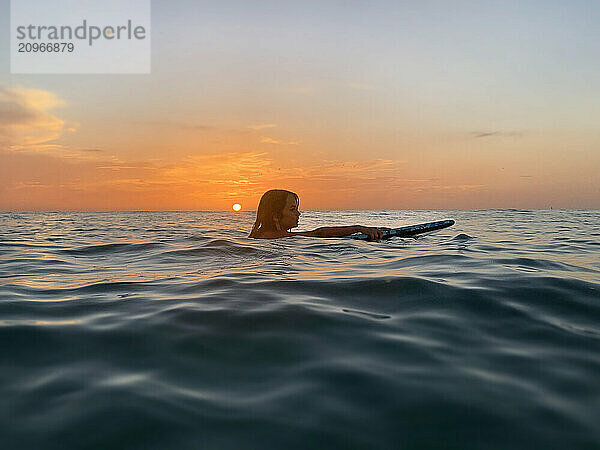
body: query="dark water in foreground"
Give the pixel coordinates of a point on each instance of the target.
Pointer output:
(175, 331)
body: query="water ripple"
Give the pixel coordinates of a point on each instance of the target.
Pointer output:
(174, 330)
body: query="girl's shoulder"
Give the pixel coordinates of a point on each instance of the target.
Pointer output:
(271, 234)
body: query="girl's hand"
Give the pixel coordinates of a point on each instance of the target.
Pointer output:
(374, 233)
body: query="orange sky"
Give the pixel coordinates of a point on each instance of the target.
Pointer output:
(179, 166)
(453, 110)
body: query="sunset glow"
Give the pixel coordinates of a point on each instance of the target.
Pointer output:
(236, 207)
(385, 107)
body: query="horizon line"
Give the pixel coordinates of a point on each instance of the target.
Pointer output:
(311, 210)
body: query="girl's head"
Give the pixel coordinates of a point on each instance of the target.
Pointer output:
(277, 211)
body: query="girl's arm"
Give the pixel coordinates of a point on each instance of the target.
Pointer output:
(374, 233)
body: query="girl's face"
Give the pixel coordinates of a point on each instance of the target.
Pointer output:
(290, 214)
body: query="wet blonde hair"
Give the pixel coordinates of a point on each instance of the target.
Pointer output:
(271, 204)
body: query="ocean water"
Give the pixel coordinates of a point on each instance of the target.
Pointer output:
(173, 330)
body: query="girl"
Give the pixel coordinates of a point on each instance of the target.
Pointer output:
(278, 212)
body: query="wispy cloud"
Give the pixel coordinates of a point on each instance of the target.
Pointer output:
(485, 134)
(91, 150)
(268, 140)
(178, 124)
(198, 181)
(27, 121)
(34, 180)
(263, 126)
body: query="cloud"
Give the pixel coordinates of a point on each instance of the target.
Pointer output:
(33, 180)
(217, 170)
(91, 150)
(262, 126)
(268, 140)
(450, 188)
(26, 121)
(178, 124)
(484, 134)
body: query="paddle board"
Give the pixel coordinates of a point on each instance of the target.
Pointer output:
(410, 231)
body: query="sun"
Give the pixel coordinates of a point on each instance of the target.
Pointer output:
(236, 206)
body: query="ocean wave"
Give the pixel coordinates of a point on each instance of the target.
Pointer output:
(119, 247)
(177, 331)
